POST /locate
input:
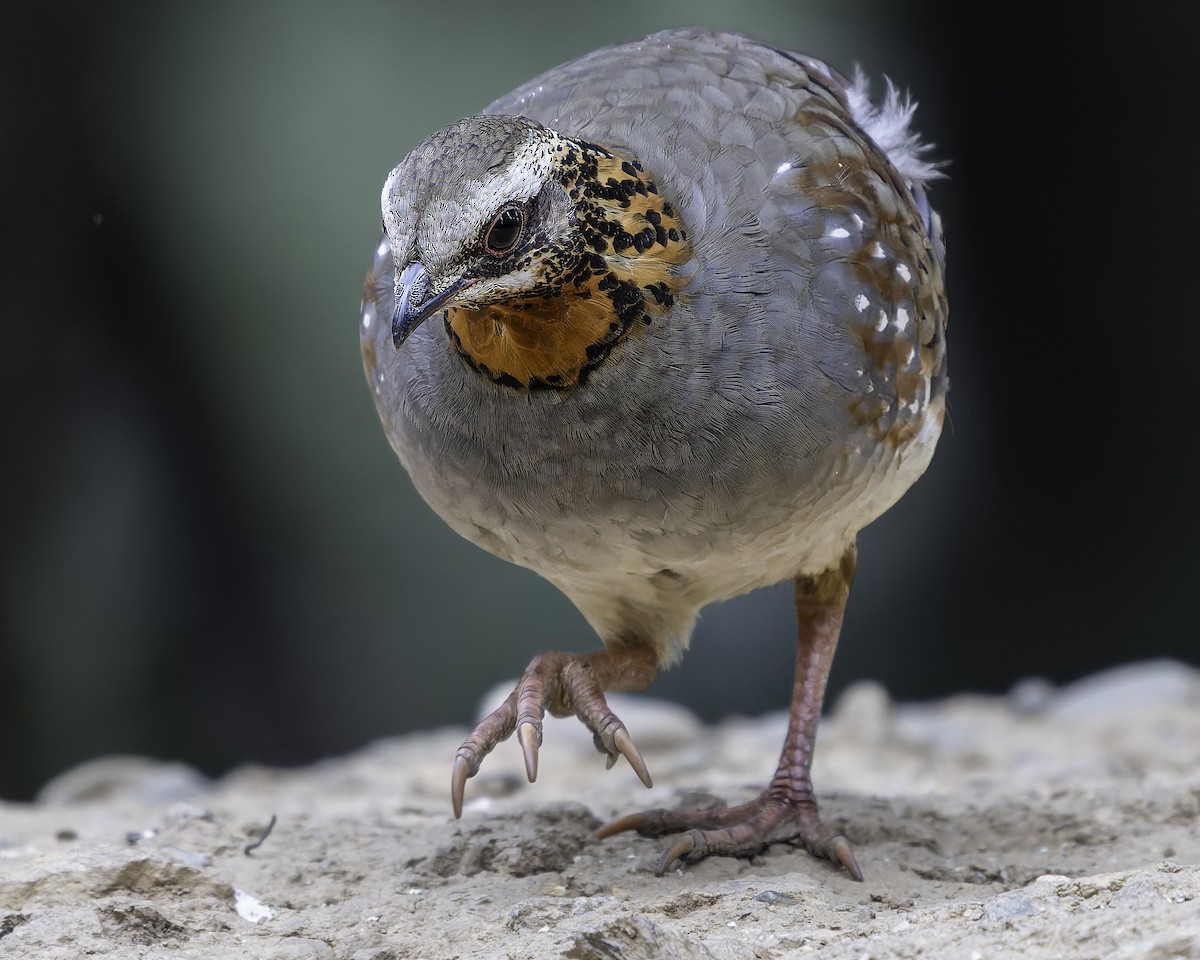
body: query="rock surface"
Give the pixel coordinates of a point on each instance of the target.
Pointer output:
(1048, 823)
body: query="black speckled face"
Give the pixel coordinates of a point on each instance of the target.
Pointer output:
(555, 249)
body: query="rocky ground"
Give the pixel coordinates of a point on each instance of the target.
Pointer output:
(1048, 823)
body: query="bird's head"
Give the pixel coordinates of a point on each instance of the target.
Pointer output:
(542, 251)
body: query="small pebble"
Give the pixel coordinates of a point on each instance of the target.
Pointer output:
(775, 897)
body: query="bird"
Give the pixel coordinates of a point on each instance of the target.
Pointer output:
(665, 325)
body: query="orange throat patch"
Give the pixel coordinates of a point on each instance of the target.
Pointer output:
(619, 274)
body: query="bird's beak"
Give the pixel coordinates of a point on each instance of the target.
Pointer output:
(416, 302)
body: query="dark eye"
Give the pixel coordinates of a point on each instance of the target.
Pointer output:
(505, 229)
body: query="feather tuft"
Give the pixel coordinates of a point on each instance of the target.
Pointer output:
(889, 126)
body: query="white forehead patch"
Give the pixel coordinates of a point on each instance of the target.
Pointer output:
(523, 178)
(448, 220)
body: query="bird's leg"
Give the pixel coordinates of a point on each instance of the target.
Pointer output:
(563, 684)
(787, 809)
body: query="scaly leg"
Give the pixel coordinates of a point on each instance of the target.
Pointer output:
(787, 808)
(562, 683)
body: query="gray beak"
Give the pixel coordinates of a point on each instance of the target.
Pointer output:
(414, 305)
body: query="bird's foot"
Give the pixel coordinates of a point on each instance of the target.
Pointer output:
(740, 831)
(563, 684)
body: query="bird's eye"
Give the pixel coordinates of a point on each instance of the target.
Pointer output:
(505, 229)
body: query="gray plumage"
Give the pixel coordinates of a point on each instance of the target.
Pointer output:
(723, 444)
(666, 324)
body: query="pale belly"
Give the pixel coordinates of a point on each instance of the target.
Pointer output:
(645, 570)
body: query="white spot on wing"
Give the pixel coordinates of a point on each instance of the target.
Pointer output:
(861, 302)
(903, 272)
(839, 232)
(882, 322)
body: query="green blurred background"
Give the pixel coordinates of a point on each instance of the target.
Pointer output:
(208, 551)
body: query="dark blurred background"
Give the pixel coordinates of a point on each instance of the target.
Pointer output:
(209, 553)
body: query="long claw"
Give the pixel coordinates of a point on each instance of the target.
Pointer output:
(529, 736)
(624, 743)
(458, 783)
(839, 849)
(630, 822)
(676, 851)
